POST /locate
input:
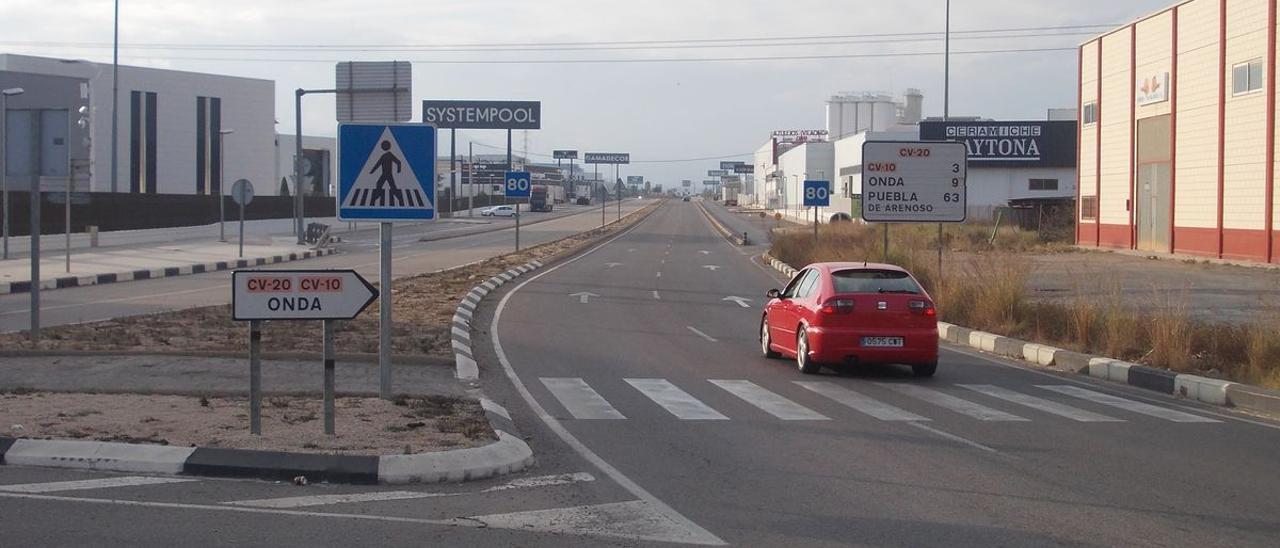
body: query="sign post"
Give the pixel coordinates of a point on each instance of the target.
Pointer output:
(386, 173)
(913, 182)
(615, 158)
(326, 295)
(242, 194)
(516, 185)
(817, 194)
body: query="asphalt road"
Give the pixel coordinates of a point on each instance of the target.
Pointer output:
(636, 445)
(448, 244)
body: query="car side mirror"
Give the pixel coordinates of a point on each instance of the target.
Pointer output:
(773, 294)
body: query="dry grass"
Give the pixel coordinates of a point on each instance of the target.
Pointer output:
(986, 288)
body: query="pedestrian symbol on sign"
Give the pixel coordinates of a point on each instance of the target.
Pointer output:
(384, 163)
(386, 181)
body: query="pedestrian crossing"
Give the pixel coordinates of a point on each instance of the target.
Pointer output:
(805, 400)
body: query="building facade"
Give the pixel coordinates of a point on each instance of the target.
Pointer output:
(1177, 132)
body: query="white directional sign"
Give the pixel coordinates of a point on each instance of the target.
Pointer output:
(913, 181)
(299, 294)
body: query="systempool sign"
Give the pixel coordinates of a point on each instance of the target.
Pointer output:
(1039, 143)
(483, 114)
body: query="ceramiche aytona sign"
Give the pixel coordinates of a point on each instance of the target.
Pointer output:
(1038, 143)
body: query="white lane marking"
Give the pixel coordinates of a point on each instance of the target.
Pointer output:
(543, 481)
(584, 296)
(611, 265)
(697, 533)
(1039, 403)
(659, 274)
(990, 361)
(321, 500)
(741, 301)
(675, 400)
(656, 295)
(1127, 405)
(860, 402)
(711, 267)
(579, 399)
(78, 485)
(704, 252)
(769, 402)
(952, 437)
(700, 334)
(959, 405)
(222, 287)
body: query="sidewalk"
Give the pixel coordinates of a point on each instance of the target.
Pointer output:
(146, 262)
(259, 230)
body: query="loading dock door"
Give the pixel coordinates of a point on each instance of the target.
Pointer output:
(1153, 181)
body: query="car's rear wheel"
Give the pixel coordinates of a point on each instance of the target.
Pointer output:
(766, 342)
(924, 369)
(803, 362)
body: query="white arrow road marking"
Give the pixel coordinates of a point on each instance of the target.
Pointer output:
(583, 296)
(741, 301)
(710, 267)
(611, 265)
(704, 252)
(701, 334)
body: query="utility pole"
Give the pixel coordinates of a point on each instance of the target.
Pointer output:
(946, 104)
(115, 97)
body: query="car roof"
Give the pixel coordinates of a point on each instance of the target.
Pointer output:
(833, 266)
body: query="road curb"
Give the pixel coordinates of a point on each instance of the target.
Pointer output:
(154, 273)
(1193, 387)
(723, 230)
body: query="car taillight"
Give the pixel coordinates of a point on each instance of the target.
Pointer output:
(838, 306)
(923, 308)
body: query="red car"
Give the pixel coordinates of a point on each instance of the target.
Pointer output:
(852, 313)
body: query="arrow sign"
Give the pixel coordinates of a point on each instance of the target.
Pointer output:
(741, 301)
(611, 265)
(710, 267)
(583, 296)
(299, 294)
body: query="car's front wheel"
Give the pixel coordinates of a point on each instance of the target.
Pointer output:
(805, 364)
(766, 342)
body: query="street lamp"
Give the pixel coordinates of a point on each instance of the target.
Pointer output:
(4, 166)
(222, 175)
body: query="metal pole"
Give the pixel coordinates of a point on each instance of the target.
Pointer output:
(603, 193)
(242, 227)
(115, 96)
(384, 314)
(255, 377)
(886, 242)
(328, 377)
(471, 179)
(35, 244)
(517, 224)
(222, 200)
(66, 221)
(297, 164)
(4, 168)
(815, 224)
(946, 106)
(617, 182)
(453, 169)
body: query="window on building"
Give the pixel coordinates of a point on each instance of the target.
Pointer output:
(1042, 184)
(142, 142)
(1246, 77)
(208, 145)
(1089, 114)
(1088, 208)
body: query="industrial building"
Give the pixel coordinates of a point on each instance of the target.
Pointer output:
(1177, 132)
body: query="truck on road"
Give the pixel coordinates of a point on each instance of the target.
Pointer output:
(544, 197)
(729, 196)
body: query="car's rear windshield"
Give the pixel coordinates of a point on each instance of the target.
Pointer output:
(873, 281)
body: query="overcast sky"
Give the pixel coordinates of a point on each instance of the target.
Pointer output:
(657, 111)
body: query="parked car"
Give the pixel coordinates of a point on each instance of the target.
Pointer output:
(498, 211)
(686, 198)
(851, 314)
(583, 200)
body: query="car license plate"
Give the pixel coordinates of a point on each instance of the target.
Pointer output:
(882, 342)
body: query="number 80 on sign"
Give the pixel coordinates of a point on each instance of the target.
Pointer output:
(817, 193)
(516, 184)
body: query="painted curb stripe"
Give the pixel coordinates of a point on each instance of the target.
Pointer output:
(273, 465)
(466, 369)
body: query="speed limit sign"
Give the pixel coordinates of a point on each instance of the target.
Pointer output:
(517, 184)
(817, 193)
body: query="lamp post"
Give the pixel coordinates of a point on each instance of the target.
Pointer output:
(222, 175)
(4, 166)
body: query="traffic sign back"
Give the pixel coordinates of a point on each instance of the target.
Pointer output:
(386, 172)
(516, 184)
(817, 193)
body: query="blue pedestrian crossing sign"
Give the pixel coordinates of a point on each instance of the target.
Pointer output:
(817, 193)
(516, 184)
(386, 172)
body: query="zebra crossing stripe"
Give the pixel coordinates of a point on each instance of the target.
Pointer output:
(1127, 405)
(80, 485)
(769, 402)
(947, 401)
(676, 401)
(579, 399)
(861, 403)
(1040, 404)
